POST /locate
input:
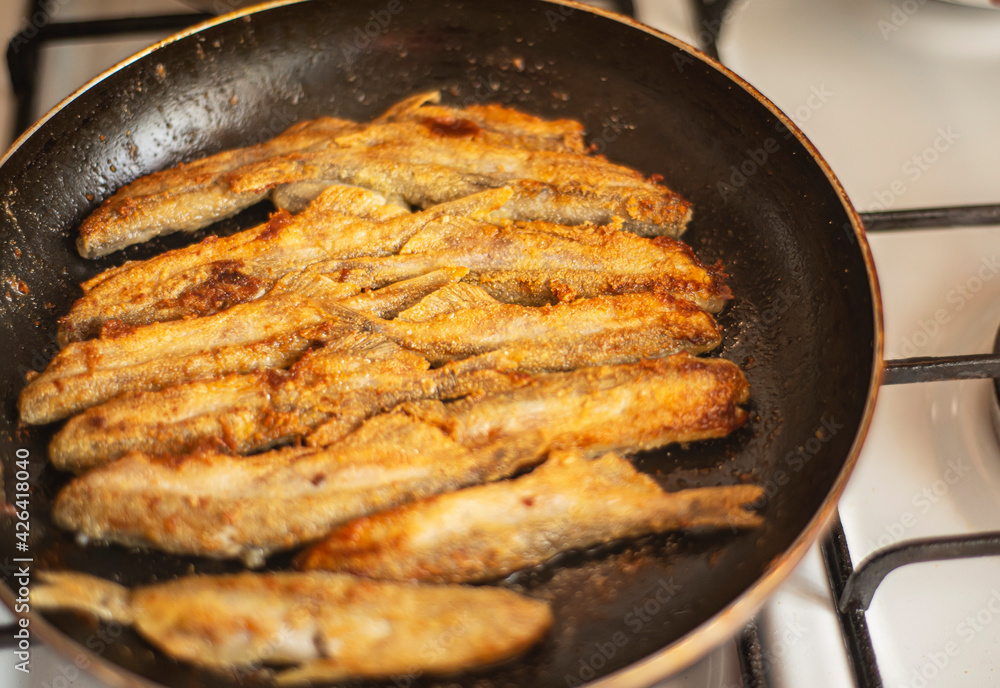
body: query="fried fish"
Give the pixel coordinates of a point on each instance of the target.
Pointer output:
(274, 332)
(224, 506)
(426, 168)
(356, 236)
(535, 263)
(220, 505)
(621, 408)
(220, 272)
(313, 626)
(347, 380)
(271, 332)
(461, 320)
(193, 195)
(488, 531)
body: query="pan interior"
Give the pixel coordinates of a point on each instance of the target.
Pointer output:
(801, 324)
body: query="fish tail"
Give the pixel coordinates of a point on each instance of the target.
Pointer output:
(84, 593)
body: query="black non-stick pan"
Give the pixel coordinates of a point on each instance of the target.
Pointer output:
(805, 323)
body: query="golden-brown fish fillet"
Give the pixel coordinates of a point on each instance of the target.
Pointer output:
(323, 627)
(621, 408)
(271, 332)
(352, 234)
(193, 195)
(620, 328)
(427, 168)
(537, 263)
(340, 386)
(220, 505)
(225, 506)
(218, 273)
(489, 531)
(345, 381)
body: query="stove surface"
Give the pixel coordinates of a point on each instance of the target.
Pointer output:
(901, 100)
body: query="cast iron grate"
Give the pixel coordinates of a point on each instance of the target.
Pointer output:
(854, 586)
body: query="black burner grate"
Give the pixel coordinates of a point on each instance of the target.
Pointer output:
(853, 587)
(24, 49)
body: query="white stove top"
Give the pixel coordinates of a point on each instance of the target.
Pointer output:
(902, 97)
(907, 120)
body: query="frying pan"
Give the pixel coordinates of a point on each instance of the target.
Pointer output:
(805, 323)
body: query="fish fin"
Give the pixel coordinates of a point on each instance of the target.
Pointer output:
(440, 234)
(297, 196)
(312, 284)
(370, 344)
(343, 319)
(408, 105)
(390, 300)
(448, 299)
(482, 205)
(82, 592)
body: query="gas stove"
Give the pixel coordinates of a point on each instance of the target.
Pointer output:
(897, 96)
(901, 98)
